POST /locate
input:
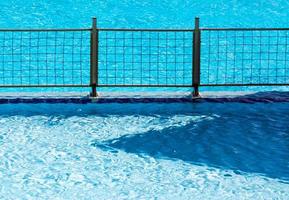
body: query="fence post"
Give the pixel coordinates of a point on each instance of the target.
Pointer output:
(93, 58)
(196, 57)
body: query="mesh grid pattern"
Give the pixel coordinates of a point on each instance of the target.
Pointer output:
(244, 57)
(44, 58)
(145, 58)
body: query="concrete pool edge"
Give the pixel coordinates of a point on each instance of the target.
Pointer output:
(145, 97)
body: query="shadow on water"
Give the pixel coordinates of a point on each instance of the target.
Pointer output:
(67, 107)
(244, 142)
(251, 138)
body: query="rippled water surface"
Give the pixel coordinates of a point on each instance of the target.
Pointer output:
(120, 151)
(144, 151)
(131, 14)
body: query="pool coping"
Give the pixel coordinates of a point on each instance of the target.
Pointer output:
(145, 97)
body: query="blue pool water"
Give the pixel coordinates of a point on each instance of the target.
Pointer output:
(144, 151)
(144, 14)
(139, 14)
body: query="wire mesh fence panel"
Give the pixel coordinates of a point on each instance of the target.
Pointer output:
(245, 57)
(145, 58)
(142, 57)
(44, 58)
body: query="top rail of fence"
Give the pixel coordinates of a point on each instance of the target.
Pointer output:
(138, 29)
(145, 29)
(98, 29)
(190, 30)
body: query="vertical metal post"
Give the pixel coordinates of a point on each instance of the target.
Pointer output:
(93, 58)
(196, 57)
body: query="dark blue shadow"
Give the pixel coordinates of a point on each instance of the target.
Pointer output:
(237, 141)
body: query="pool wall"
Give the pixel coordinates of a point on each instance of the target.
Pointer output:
(165, 97)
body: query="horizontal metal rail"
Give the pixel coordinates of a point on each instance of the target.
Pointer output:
(140, 29)
(145, 30)
(149, 86)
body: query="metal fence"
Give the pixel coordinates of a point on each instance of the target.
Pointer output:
(44, 58)
(145, 58)
(97, 57)
(245, 57)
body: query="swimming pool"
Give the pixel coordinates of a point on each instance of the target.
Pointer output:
(144, 151)
(151, 58)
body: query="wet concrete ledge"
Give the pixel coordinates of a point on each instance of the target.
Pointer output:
(144, 97)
